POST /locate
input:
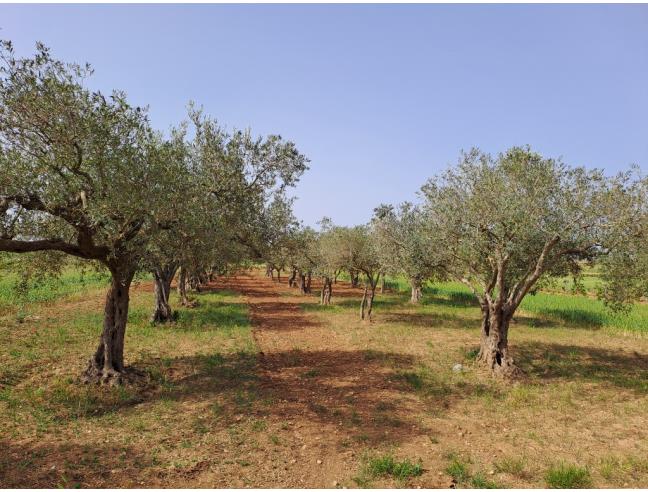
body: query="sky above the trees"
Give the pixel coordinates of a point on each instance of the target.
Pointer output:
(379, 97)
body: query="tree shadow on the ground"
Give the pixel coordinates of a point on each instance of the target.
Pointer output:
(70, 465)
(552, 361)
(429, 320)
(361, 393)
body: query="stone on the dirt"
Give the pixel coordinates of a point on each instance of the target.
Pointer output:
(457, 368)
(319, 462)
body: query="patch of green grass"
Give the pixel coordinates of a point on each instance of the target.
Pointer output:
(458, 470)
(472, 353)
(566, 476)
(481, 482)
(71, 281)
(259, 425)
(387, 465)
(572, 310)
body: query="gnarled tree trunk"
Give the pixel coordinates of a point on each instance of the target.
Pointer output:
(107, 364)
(327, 291)
(182, 288)
(417, 291)
(162, 277)
(368, 296)
(309, 277)
(293, 276)
(302, 282)
(493, 351)
(355, 277)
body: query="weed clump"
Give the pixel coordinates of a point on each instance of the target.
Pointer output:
(565, 476)
(387, 466)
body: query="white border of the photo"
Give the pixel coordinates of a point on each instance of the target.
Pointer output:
(323, 2)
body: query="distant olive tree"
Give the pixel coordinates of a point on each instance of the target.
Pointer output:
(357, 252)
(625, 268)
(406, 247)
(507, 222)
(329, 257)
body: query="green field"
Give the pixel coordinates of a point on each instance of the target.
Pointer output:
(569, 310)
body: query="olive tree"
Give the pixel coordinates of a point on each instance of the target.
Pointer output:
(625, 268)
(230, 180)
(358, 254)
(507, 222)
(82, 174)
(406, 247)
(329, 257)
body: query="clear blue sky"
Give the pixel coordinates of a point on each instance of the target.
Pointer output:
(378, 97)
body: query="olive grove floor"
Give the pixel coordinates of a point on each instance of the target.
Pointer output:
(259, 386)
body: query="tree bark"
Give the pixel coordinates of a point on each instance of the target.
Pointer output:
(107, 364)
(302, 283)
(309, 276)
(493, 351)
(368, 296)
(291, 280)
(162, 277)
(363, 303)
(355, 277)
(327, 292)
(417, 291)
(182, 288)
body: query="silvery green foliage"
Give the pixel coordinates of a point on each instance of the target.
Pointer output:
(625, 268)
(80, 172)
(507, 221)
(404, 244)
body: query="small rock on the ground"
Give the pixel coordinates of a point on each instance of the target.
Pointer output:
(457, 368)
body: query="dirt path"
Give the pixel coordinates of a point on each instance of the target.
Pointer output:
(337, 400)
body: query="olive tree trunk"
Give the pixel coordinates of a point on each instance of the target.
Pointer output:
(327, 291)
(182, 288)
(162, 277)
(417, 291)
(107, 364)
(493, 351)
(368, 296)
(355, 277)
(302, 282)
(293, 276)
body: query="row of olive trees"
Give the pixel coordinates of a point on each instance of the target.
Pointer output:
(502, 226)
(85, 174)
